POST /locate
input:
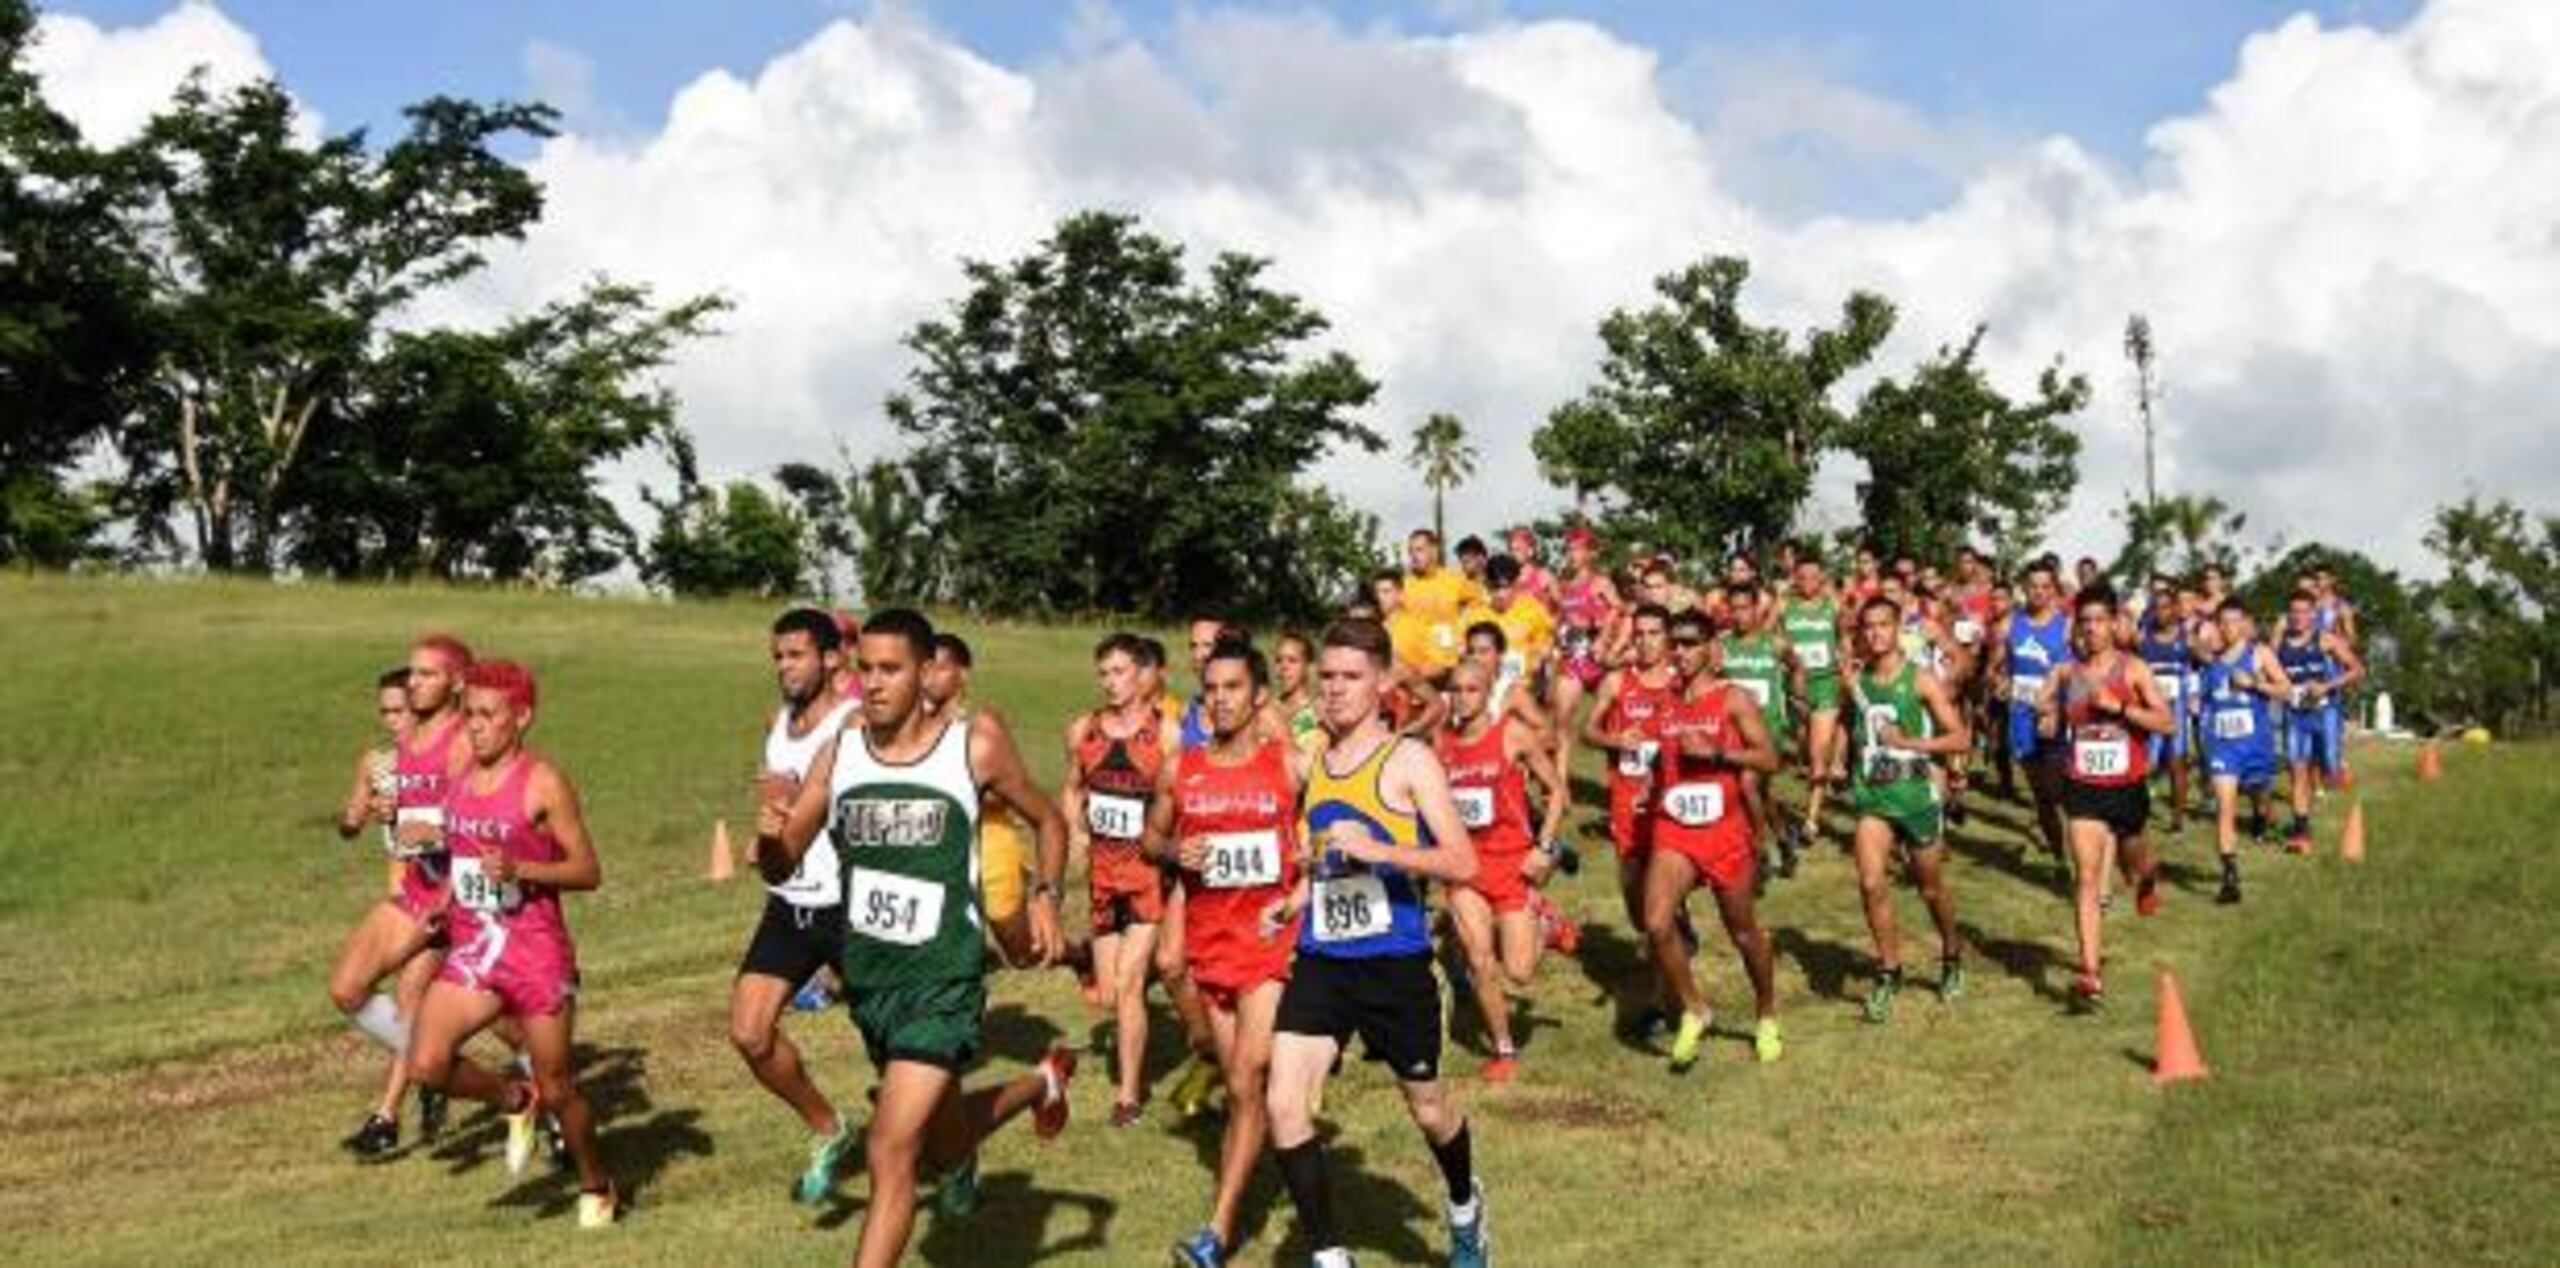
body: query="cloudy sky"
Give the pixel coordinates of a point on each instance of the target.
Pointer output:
(2342, 218)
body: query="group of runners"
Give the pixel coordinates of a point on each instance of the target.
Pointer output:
(1269, 849)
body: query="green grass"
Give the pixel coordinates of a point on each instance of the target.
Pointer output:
(172, 1079)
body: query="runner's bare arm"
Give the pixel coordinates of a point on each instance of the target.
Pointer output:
(2148, 709)
(1603, 704)
(359, 810)
(998, 761)
(785, 829)
(1757, 751)
(2350, 665)
(1532, 752)
(1071, 788)
(1155, 837)
(551, 802)
(1434, 711)
(2272, 681)
(1953, 737)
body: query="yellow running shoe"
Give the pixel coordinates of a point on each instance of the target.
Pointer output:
(1193, 1085)
(1684, 1044)
(1766, 1042)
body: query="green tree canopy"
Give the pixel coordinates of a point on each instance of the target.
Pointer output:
(1948, 456)
(1445, 460)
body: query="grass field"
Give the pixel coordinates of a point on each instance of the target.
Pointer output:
(173, 1080)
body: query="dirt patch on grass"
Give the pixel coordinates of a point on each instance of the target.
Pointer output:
(267, 1072)
(1574, 1111)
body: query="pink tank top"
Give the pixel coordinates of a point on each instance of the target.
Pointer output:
(422, 783)
(1581, 603)
(484, 825)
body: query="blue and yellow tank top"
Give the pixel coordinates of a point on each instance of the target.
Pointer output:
(1356, 912)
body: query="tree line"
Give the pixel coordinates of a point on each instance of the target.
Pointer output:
(204, 362)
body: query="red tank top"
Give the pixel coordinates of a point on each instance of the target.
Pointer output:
(1639, 709)
(1119, 779)
(422, 773)
(1491, 790)
(1249, 812)
(1699, 804)
(2105, 752)
(484, 825)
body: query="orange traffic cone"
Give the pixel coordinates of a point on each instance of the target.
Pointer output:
(2175, 1056)
(2430, 762)
(722, 865)
(2351, 840)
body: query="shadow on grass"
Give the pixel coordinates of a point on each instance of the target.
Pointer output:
(2033, 963)
(1012, 1222)
(634, 1144)
(1374, 1215)
(1827, 965)
(1013, 1033)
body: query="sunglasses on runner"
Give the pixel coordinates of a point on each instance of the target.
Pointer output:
(1687, 640)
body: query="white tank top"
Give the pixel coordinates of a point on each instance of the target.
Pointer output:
(817, 882)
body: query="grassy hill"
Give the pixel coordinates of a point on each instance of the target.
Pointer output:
(173, 1080)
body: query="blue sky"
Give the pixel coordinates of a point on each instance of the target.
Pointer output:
(2099, 70)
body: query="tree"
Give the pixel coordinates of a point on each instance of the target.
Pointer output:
(1445, 460)
(273, 263)
(72, 336)
(1093, 429)
(2496, 614)
(1703, 428)
(1948, 455)
(737, 539)
(2397, 642)
(2181, 535)
(897, 559)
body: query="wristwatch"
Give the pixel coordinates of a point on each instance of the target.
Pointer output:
(1045, 889)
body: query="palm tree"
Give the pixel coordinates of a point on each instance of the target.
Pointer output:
(1441, 451)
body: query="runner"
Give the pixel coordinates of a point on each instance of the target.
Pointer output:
(1810, 618)
(2241, 674)
(2336, 615)
(2036, 647)
(1231, 826)
(1005, 864)
(1380, 819)
(847, 682)
(1489, 649)
(1626, 718)
(1196, 1079)
(1866, 577)
(1293, 661)
(1486, 752)
(2096, 711)
(1711, 733)
(1528, 628)
(2319, 666)
(1472, 556)
(1586, 608)
(1118, 758)
(1434, 595)
(1755, 657)
(898, 798)
(1535, 581)
(402, 934)
(1906, 719)
(518, 840)
(2161, 642)
(802, 930)
(377, 771)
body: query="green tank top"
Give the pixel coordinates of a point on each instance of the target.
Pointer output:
(1890, 779)
(1814, 629)
(1752, 661)
(906, 837)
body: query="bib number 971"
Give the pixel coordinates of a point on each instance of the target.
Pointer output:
(1114, 817)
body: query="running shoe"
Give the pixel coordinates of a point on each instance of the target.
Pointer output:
(522, 1138)
(1504, 1067)
(598, 1209)
(1879, 1006)
(2146, 894)
(826, 1153)
(1767, 1042)
(373, 1138)
(1469, 1247)
(2230, 891)
(1568, 858)
(2298, 841)
(1790, 848)
(433, 1108)
(1194, 1083)
(956, 1198)
(1950, 979)
(1200, 1250)
(1685, 1042)
(1058, 1070)
(812, 996)
(2087, 991)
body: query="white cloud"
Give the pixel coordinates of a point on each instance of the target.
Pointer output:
(110, 82)
(2347, 249)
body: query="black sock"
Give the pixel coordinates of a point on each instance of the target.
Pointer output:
(1458, 1164)
(1302, 1170)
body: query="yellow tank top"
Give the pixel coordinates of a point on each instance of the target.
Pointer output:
(1360, 913)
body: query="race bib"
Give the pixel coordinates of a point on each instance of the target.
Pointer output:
(1637, 762)
(474, 891)
(432, 816)
(1241, 860)
(1759, 691)
(1475, 806)
(1815, 656)
(2234, 726)
(1115, 816)
(1968, 631)
(1351, 908)
(2170, 686)
(888, 907)
(2102, 758)
(1513, 665)
(1445, 635)
(1694, 805)
(2024, 688)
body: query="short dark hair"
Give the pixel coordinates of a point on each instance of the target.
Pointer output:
(1233, 647)
(1501, 641)
(394, 677)
(2099, 595)
(1360, 635)
(905, 623)
(1879, 601)
(1151, 653)
(1692, 619)
(1654, 610)
(955, 647)
(1471, 545)
(819, 626)
(2231, 604)
(1385, 574)
(1123, 643)
(1501, 570)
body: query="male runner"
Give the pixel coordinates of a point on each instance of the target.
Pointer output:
(1810, 618)
(2035, 648)
(1711, 733)
(2241, 675)
(1472, 556)
(2336, 615)
(802, 929)
(2097, 711)
(1535, 581)
(1755, 657)
(2161, 642)
(377, 771)
(1528, 629)
(1117, 760)
(1626, 720)
(898, 796)
(1905, 719)
(2320, 665)
(1381, 824)
(402, 934)
(1486, 752)
(1434, 595)
(1586, 610)
(517, 840)
(1230, 824)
